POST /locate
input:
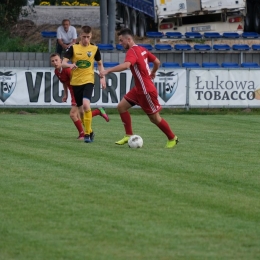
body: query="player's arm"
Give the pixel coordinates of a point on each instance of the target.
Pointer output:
(65, 61)
(156, 65)
(123, 66)
(65, 94)
(100, 68)
(102, 78)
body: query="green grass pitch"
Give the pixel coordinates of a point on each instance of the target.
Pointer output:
(61, 198)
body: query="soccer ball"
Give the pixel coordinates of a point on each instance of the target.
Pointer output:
(135, 141)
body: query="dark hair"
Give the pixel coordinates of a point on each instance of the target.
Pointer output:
(65, 20)
(54, 54)
(86, 29)
(125, 31)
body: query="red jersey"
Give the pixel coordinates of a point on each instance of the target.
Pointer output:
(64, 76)
(139, 58)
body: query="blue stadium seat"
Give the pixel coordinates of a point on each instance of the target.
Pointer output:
(230, 65)
(256, 47)
(163, 47)
(182, 47)
(151, 64)
(170, 65)
(250, 65)
(110, 64)
(47, 34)
(193, 35)
(202, 47)
(221, 47)
(231, 35)
(173, 35)
(212, 35)
(190, 65)
(149, 47)
(105, 47)
(250, 35)
(154, 34)
(210, 65)
(119, 47)
(240, 47)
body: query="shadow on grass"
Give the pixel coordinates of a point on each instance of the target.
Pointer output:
(138, 111)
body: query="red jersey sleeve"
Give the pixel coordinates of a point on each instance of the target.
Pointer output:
(131, 57)
(150, 56)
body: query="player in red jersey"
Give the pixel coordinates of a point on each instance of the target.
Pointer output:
(144, 93)
(76, 114)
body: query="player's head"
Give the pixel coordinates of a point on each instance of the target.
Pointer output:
(66, 24)
(55, 60)
(126, 38)
(85, 35)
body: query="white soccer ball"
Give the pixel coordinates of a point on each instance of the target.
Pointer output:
(135, 141)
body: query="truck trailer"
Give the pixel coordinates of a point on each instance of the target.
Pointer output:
(188, 15)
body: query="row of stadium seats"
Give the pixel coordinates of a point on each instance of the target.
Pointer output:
(187, 35)
(183, 47)
(206, 35)
(186, 47)
(196, 65)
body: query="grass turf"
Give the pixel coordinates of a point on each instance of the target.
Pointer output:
(63, 199)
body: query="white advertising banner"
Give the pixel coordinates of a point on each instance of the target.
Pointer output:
(223, 88)
(40, 87)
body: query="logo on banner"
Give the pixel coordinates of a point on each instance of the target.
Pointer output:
(257, 94)
(166, 84)
(7, 84)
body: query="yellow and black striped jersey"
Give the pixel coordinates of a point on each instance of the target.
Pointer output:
(83, 57)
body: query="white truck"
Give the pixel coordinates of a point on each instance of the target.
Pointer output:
(182, 15)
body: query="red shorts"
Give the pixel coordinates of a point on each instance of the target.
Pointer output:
(148, 102)
(73, 101)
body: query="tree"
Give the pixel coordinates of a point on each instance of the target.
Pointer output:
(10, 10)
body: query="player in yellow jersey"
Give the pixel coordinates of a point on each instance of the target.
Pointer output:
(82, 57)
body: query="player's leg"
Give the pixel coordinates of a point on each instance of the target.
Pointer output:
(87, 94)
(124, 105)
(100, 112)
(81, 113)
(151, 106)
(74, 114)
(77, 121)
(163, 125)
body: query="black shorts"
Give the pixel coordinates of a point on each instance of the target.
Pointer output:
(83, 91)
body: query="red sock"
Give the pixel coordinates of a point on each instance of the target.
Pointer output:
(163, 125)
(78, 124)
(96, 112)
(126, 119)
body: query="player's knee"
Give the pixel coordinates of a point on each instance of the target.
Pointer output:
(73, 116)
(153, 120)
(121, 108)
